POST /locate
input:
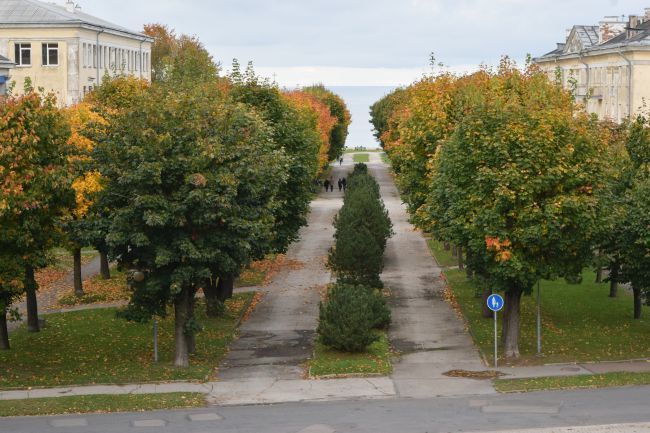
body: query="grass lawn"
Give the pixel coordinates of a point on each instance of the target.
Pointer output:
(443, 257)
(579, 322)
(375, 361)
(385, 159)
(361, 157)
(100, 404)
(572, 382)
(96, 347)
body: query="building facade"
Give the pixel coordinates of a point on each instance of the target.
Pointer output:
(607, 65)
(66, 51)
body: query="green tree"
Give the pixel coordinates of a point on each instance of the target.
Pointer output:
(515, 182)
(297, 134)
(36, 192)
(188, 180)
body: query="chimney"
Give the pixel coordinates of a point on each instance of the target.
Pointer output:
(609, 28)
(70, 6)
(633, 23)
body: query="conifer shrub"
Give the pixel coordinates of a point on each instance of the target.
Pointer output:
(347, 318)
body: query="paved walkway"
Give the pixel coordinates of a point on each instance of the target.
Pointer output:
(277, 339)
(425, 329)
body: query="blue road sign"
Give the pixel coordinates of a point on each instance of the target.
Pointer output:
(495, 302)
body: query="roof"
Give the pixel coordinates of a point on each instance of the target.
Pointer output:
(6, 63)
(588, 35)
(37, 13)
(590, 43)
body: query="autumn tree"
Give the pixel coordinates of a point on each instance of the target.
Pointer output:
(339, 110)
(517, 178)
(36, 192)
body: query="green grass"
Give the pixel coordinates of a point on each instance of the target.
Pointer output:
(100, 403)
(95, 346)
(374, 361)
(572, 382)
(384, 158)
(579, 322)
(443, 257)
(361, 157)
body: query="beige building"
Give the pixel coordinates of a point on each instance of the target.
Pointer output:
(608, 65)
(66, 51)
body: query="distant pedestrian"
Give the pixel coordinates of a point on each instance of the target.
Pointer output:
(326, 185)
(344, 182)
(340, 184)
(341, 161)
(331, 184)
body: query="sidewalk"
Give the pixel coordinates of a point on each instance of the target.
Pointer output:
(265, 390)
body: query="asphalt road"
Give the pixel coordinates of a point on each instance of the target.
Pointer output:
(467, 414)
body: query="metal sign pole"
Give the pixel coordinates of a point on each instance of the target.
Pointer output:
(539, 321)
(155, 339)
(495, 340)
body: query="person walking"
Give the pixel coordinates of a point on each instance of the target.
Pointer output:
(331, 184)
(341, 161)
(326, 185)
(344, 182)
(340, 184)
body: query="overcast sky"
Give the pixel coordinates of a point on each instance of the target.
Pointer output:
(364, 42)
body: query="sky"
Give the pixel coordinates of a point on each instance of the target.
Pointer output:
(380, 43)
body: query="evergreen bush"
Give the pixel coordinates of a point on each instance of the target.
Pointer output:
(347, 318)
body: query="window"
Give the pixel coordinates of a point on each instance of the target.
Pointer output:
(23, 54)
(50, 54)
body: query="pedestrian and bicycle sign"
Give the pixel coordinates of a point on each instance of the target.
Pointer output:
(495, 303)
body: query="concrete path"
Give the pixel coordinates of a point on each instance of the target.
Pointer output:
(277, 340)
(425, 329)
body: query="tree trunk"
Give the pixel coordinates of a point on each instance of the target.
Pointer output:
(181, 317)
(461, 265)
(454, 251)
(4, 333)
(599, 274)
(613, 281)
(447, 246)
(32, 304)
(225, 287)
(190, 335)
(76, 270)
(211, 297)
(104, 268)
(637, 302)
(485, 311)
(511, 323)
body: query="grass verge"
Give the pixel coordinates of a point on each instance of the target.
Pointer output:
(580, 323)
(374, 361)
(442, 256)
(100, 404)
(384, 158)
(360, 157)
(94, 346)
(570, 314)
(571, 382)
